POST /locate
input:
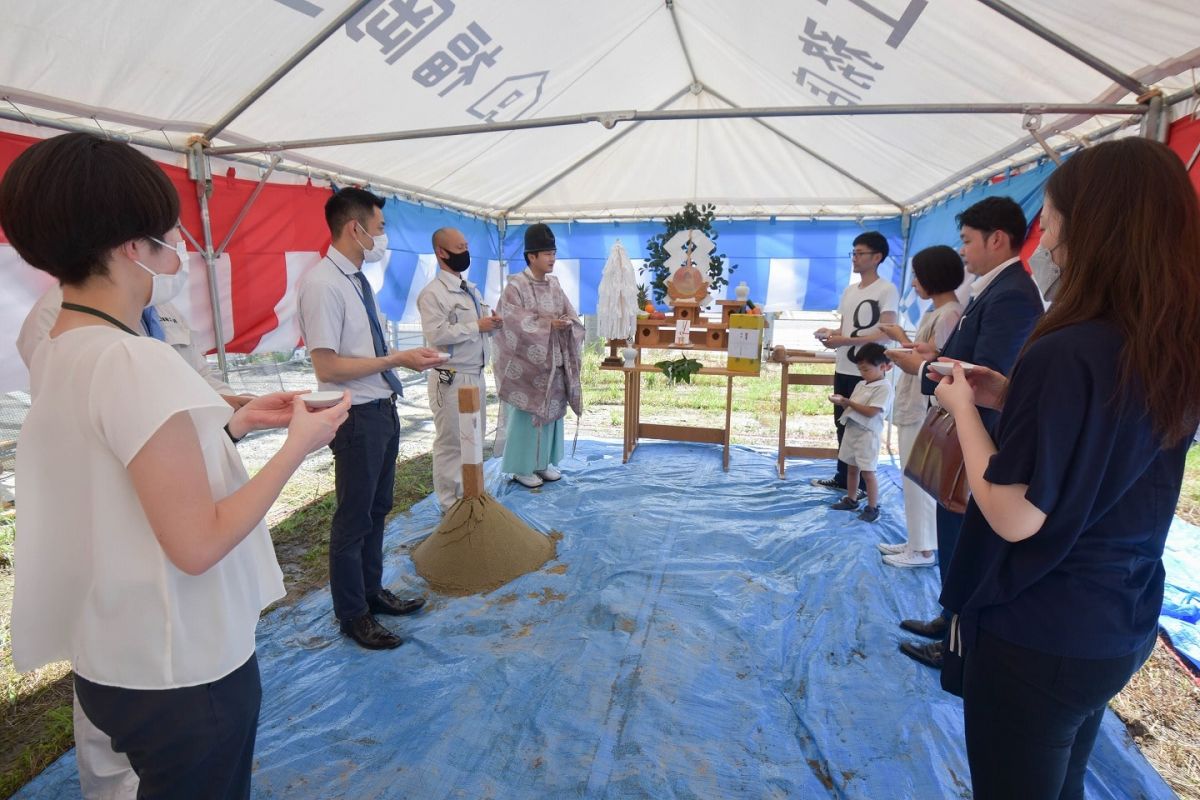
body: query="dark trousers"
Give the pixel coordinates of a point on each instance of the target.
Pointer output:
(364, 467)
(195, 742)
(949, 525)
(843, 385)
(1032, 718)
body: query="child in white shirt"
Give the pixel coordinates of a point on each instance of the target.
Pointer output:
(863, 417)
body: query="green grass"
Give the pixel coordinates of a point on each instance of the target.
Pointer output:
(8, 532)
(757, 396)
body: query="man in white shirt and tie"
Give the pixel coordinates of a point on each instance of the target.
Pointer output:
(345, 341)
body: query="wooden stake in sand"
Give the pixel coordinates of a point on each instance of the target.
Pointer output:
(479, 544)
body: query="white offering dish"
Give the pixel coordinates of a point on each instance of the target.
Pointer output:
(321, 399)
(947, 367)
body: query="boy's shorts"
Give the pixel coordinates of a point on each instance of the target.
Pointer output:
(860, 447)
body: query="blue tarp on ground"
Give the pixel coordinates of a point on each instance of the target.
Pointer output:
(1181, 598)
(700, 635)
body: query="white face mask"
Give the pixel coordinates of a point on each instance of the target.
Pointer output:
(378, 249)
(1045, 272)
(164, 286)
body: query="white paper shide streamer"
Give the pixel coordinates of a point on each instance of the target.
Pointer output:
(616, 305)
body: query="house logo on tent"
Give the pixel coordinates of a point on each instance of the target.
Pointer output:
(510, 98)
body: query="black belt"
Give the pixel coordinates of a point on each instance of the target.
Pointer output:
(385, 402)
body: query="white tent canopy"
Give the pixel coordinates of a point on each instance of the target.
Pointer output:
(163, 71)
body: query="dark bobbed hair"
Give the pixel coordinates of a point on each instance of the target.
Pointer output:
(67, 202)
(870, 353)
(939, 269)
(874, 240)
(350, 204)
(997, 214)
(1130, 241)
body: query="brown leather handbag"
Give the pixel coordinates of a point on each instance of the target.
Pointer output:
(935, 462)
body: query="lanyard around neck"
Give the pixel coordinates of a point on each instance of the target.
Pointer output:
(95, 312)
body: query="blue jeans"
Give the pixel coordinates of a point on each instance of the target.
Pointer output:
(364, 467)
(1032, 718)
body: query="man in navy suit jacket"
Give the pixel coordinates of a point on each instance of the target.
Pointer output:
(1005, 305)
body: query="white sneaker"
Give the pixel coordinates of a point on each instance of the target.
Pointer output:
(910, 560)
(891, 549)
(528, 481)
(549, 473)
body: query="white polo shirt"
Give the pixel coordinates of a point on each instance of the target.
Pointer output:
(332, 316)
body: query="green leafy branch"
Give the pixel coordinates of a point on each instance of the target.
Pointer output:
(679, 370)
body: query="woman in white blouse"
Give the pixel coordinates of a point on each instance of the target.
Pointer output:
(141, 555)
(937, 272)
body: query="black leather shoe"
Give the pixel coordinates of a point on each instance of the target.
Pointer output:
(928, 654)
(934, 629)
(370, 634)
(387, 603)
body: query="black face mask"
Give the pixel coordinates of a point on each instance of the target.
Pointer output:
(458, 261)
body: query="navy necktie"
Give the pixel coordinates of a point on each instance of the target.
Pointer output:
(368, 299)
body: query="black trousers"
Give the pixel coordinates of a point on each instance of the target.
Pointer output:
(949, 525)
(843, 385)
(364, 467)
(194, 743)
(1032, 718)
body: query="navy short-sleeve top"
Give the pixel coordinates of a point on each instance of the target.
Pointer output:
(1089, 583)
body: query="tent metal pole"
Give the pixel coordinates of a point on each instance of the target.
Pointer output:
(589, 156)
(284, 69)
(1184, 94)
(906, 231)
(806, 150)
(1075, 51)
(1155, 122)
(609, 119)
(687, 56)
(75, 127)
(332, 174)
(921, 201)
(200, 174)
(262, 182)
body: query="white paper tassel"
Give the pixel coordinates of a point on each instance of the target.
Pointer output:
(616, 306)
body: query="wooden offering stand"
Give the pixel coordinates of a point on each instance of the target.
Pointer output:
(785, 358)
(659, 334)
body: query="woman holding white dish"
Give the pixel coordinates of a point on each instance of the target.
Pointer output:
(141, 554)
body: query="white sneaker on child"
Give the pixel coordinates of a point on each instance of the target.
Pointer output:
(910, 559)
(549, 473)
(891, 549)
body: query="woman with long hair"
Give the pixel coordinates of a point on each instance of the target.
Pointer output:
(1057, 581)
(141, 553)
